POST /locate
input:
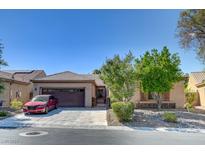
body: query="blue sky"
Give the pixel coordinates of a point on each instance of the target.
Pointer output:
(80, 40)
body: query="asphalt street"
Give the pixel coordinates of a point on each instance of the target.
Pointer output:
(65, 136)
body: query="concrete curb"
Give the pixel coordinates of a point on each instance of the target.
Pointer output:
(164, 129)
(103, 127)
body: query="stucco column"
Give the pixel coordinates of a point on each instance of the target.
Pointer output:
(88, 96)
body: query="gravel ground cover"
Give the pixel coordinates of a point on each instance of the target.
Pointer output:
(153, 118)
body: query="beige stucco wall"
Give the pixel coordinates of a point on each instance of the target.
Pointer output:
(10, 92)
(89, 89)
(192, 84)
(136, 97)
(23, 89)
(93, 91)
(177, 95)
(201, 91)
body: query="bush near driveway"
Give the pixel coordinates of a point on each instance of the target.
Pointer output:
(112, 119)
(16, 104)
(3, 113)
(6, 112)
(123, 110)
(169, 117)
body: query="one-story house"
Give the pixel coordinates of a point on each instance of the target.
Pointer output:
(72, 89)
(196, 84)
(88, 90)
(17, 84)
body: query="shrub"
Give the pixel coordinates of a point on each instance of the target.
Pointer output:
(123, 110)
(16, 104)
(169, 117)
(3, 113)
(190, 98)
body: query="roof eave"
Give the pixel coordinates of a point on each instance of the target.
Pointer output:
(200, 84)
(63, 81)
(14, 81)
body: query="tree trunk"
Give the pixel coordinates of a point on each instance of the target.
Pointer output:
(158, 101)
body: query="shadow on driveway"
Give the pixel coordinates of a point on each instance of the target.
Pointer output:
(21, 120)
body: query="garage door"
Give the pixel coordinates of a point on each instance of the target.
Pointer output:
(67, 97)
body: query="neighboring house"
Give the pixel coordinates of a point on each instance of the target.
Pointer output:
(72, 89)
(17, 84)
(196, 84)
(173, 99)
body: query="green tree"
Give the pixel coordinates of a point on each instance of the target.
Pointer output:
(96, 71)
(119, 75)
(191, 31)
(157, 72)
(2, 63)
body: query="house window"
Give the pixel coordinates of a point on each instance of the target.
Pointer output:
(100, 93)
(18, 94)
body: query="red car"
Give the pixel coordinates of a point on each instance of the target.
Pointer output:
(40, 104)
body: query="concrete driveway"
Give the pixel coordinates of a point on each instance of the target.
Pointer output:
(61, 117)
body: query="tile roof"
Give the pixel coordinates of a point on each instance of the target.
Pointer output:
(70, 76)
(199, 77)
(98, 81)
(28, 76)
(20, 75)
(15, 71)
(5, 75)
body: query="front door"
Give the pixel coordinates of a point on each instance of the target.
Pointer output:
(101, 95)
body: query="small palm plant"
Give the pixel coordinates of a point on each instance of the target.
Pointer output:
(190, 98)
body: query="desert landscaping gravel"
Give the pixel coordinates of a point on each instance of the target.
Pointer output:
(153, 118)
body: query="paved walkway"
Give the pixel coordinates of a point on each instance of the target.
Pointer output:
(62, 117)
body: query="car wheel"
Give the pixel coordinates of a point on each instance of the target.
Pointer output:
(46, 110)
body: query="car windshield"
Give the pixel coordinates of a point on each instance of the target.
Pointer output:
(40, 99)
